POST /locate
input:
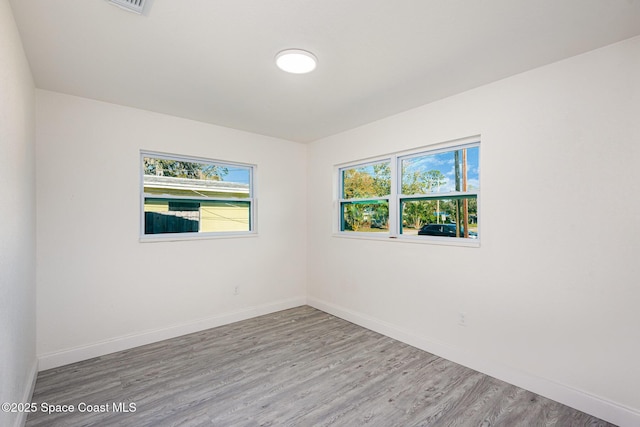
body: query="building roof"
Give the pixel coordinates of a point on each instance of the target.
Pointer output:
(194, 188)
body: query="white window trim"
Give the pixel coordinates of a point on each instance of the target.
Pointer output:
(395, 196)
(173, 237)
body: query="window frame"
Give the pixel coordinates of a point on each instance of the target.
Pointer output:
(180, 236)
(396, 197)
(388, 197)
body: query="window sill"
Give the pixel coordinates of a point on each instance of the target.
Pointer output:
(181, 237)
(442, 241)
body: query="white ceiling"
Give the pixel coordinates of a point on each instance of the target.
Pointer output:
(213, 60)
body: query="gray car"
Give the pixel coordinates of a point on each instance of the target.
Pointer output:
(443, 230)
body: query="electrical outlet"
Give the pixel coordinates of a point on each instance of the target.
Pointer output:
(236, 290)
(462, 318)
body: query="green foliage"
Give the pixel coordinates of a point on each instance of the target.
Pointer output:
(382, 179)
(354, 216)
(357, 184)
(416, 213)
(361, 215)
(417, 182)
(368, 182)
(180, 169)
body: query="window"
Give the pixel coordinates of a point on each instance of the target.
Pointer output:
(440, 188)
(428, 195)
(365, 193)
(192, 196)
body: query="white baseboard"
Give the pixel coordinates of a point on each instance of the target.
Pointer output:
(101, 348)
(30, 385)
(567, 395)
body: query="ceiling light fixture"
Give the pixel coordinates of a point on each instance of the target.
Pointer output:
(296, 61)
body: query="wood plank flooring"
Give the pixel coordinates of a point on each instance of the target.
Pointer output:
(299, 367)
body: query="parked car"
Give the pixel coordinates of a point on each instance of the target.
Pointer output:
(443, 230)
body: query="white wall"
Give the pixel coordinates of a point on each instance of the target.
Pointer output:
(17, 219)
(551, 296)
(99, 288)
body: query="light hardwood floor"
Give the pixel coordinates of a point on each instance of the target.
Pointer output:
(299, 367)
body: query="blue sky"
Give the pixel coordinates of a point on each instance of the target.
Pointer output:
(237, 174)
(445, 163)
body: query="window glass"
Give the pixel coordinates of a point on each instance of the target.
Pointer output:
(422, 217)
(440, 188)
(183, 195)
(365, 181)
(365, 216)
(443, 172)
(364, 206)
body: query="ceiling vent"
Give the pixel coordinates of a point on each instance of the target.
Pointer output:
(135, 6)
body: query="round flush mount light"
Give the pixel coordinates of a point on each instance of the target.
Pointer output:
(296, 61)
